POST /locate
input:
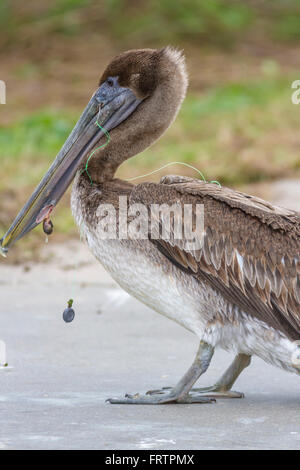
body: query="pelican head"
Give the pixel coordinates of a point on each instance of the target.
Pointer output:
(138, 97)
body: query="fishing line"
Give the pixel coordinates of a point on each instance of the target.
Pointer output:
(146, 174)
(174, 163)
(101, 146)
(69, 312)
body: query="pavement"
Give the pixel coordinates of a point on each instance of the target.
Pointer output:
(53, 392)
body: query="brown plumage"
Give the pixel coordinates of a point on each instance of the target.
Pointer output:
(267, 285)
(161, 82)
(139, 70)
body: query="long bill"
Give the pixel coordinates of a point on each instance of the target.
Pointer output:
(116, 105)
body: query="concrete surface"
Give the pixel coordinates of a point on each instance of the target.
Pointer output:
(52, 395)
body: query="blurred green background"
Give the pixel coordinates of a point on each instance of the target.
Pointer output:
(237, 125)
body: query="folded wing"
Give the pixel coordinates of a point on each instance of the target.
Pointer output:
(248, 251)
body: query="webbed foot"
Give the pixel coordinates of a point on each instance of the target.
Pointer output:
(206, 392)
(160, 399)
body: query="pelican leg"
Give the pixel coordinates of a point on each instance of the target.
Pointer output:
(222, 388)
(180, 393)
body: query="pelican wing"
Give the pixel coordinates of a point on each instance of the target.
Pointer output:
(248, 251)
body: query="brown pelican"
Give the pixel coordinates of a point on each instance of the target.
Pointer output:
(239, 290)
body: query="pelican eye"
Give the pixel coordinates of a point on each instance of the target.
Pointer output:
(110, 82)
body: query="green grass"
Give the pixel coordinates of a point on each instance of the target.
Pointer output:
(188, 19)
(218, 22)
(30, 144)
(27, 148)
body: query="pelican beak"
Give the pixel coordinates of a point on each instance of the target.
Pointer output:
(110, 105)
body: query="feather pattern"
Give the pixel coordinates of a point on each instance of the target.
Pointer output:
(249, 252)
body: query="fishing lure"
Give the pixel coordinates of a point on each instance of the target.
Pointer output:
(69, 314)
(48, 226)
